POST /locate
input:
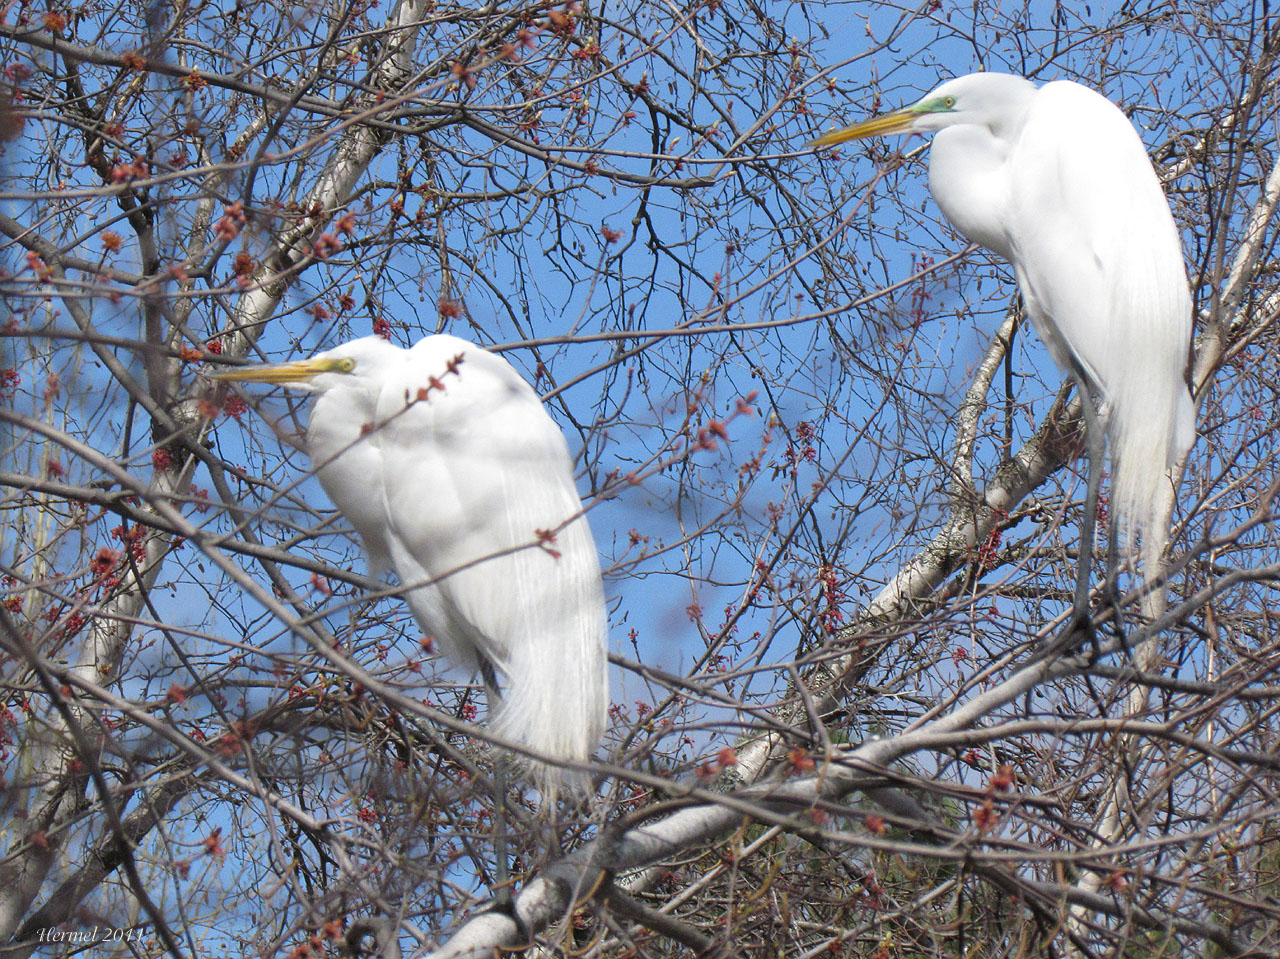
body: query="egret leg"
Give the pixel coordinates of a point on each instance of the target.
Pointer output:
(1111, 590)
(502, 870)
(1095, 446)
(1081, 620)
(1095, 440)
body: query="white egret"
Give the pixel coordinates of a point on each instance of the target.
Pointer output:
(1056, 180)
(453, 474)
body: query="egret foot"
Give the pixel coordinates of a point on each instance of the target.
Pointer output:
(1077, 634)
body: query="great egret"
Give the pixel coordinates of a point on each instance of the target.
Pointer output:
(450, 469)
(1056, 180)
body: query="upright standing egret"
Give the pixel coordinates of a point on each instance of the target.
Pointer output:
(1056, 180)
(453, 474)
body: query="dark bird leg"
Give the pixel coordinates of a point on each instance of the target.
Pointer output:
(502, 869)
(1081, 620)
(1111, 590)
(1095, 440)
(1095, 446)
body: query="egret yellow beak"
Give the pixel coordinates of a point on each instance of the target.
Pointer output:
(899, 121)
(301, 371)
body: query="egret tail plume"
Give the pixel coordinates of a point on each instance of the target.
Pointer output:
(1149, 435)
(554, 706)
(1151, 417)
(555, 698)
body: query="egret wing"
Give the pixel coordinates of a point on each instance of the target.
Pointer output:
(1095, 246)
(1100, 265)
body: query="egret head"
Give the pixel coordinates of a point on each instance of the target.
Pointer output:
(355, 365)
(992, 100)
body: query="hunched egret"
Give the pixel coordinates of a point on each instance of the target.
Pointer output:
(454, 476)
(1056, 180)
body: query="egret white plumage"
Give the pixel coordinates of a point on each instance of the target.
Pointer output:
(1056, 180)
(454, 476)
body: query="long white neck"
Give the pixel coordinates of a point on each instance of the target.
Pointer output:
(967, 178)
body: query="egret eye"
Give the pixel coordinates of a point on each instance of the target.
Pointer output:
(346, 364)
(948, 102)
